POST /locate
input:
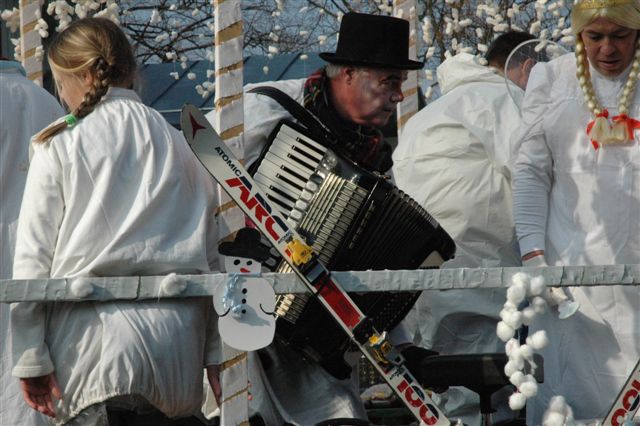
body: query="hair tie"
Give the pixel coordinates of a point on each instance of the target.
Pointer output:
(70, 119)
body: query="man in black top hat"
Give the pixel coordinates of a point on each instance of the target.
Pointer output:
(353, 96)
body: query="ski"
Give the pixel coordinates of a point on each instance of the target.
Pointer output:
(220, 162)
(627, 403)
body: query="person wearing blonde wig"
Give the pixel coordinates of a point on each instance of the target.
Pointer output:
(577, 201)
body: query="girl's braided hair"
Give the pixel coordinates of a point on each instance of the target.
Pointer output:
(97, 46)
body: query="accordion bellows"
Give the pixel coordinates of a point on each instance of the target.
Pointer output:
(354, 220)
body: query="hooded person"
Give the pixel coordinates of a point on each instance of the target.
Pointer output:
(454, 158)
(25, 109)
(577, 201)
(353, 97)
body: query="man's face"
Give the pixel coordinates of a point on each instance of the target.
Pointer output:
(610, 47)
(373, 95)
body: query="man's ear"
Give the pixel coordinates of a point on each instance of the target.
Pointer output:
(347, 73)
(526, 68)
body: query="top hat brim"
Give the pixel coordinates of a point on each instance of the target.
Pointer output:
(405, 65)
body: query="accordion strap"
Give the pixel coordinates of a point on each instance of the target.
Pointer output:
(300, 113)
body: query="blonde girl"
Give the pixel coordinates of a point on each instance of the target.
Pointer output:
(112, 190)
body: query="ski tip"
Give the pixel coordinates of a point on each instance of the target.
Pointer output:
(192, 120)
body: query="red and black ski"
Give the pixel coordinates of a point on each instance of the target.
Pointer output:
(218, 159)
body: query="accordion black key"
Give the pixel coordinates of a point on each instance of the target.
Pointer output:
(354, 220)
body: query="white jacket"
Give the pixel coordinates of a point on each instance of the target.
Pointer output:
(582, 207)
(120, 193)
(454, 158)
(25, 109)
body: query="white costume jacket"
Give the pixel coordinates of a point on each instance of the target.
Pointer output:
(582, 206)
(120, 193)
(453, 157)
(25, 109)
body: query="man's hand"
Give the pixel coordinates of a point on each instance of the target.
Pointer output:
(37, 392)
(213, 375)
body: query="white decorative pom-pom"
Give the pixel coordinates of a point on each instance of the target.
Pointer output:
(521, 278)
(504, 332)
(539, 304)
(528, 389)
(511, 346)
(510, 368)
(516, 293)
(538, 340)
(537, 286)
(517, 401)
(553, 419)
(527, 352)
(528, 314)
(517, 378)
(81, 287)
(172, 285)
(514, 320)
(557, 404)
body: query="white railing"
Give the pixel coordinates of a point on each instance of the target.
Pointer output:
(148, 287)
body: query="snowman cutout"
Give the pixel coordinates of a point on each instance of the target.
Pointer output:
(246, 302)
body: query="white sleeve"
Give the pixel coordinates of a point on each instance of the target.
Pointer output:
(533, 165)
(40, 217)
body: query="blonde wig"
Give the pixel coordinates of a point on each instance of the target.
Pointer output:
(623, 12)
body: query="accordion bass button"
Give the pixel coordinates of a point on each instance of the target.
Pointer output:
(302, 205)
(295, 215)
(306, 196)
(311, 186)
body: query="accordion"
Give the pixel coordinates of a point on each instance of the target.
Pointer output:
(354, 220)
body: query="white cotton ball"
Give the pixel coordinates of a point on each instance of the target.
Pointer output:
(538, 340)
(516, 293)
(537, 286)
(504, 332)
(510, 306)
(510, 346)
(81, 287)
(510, 368)
(514, 320)
(517, 401)
(191, 76)
(557, 404)
(553, 419)
(528, 315)
(172, 285)
(528, 389)
(527, 352)
(539, 304)
(521, 278)
(517, 378)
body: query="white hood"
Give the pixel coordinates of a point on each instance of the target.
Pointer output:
(464, 69)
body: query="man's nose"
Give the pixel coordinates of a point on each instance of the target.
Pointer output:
(607, 47)
(397, 95)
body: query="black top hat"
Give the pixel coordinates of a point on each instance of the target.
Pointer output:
(246, 244)
(373, 41)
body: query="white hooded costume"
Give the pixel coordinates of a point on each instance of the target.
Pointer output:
(454, 158)
(25, 109)
(118, 194)
(582, 206)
